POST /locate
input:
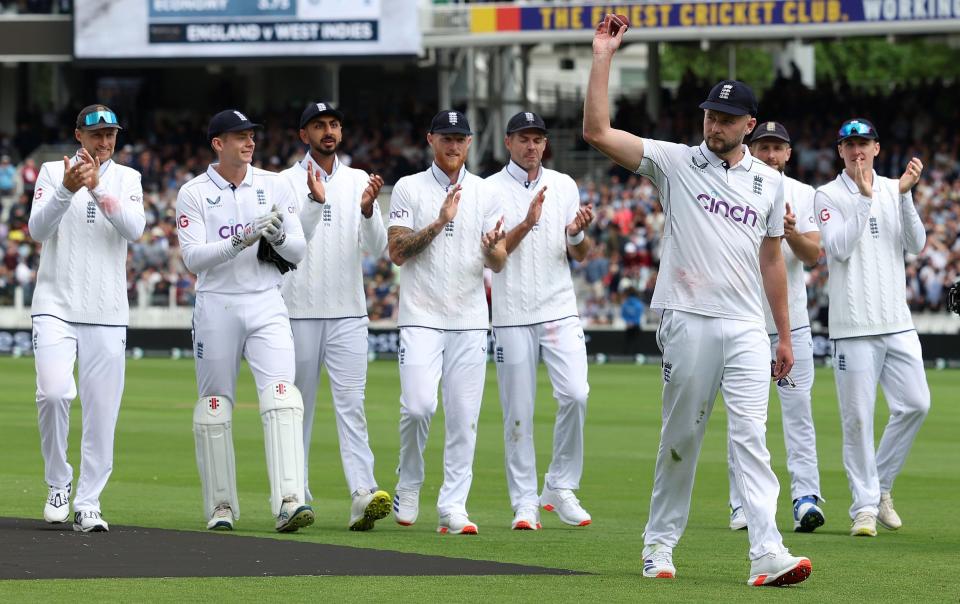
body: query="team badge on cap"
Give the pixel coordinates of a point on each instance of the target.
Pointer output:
(526, 120)
(450, 122)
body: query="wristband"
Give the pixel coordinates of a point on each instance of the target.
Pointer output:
(312, 198)
(576, 239)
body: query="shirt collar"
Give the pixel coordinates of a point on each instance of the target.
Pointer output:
(222, 183)
(441, 177)
(716, 161)
(852, 186)
(520, 175)
(308, 161)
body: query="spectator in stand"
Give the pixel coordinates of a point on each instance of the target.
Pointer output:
(8, 182)
(631, 311)
(28, 174)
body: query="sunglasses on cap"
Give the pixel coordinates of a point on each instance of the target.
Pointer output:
(95, 117)
(856, 128)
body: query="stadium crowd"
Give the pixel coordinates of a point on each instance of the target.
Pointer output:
(168, 149)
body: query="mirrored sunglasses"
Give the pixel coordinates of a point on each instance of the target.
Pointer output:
(95, 117)
(854, 128)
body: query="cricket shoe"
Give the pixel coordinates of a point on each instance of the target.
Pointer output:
(658, 562)
(887, 516)
(738, 520)
(807, 515)
(222, 518)
(89, 522)
(526, 519)
(566, 505)
(777, 570)
(406, 507)
(367, 508)
(293, 515)
(456, 524)
(864, 525)
(57, 507)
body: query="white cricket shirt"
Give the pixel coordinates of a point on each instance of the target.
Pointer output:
(210, 211)
(864, 239)
(800, 198)
(82, 276)
(328, 284)
(442, 286)
(715, 221)
(535, 285)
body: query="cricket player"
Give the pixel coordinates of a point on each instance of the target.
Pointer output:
(868, 222)
(534, 313)
(85, 210)
(721, 251)
(770, 144)
(445, 226)
(222, 215)
(341, 220)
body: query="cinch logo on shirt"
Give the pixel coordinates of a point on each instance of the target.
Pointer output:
(735, 213)
(399, 214)
(229, 230)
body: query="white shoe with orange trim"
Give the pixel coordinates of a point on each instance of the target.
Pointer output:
(658, 562)
(526, 519)
(566, 505)
(780, 569)
(456, 524)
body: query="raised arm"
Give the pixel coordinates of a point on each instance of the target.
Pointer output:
(373, 235)
(311, 208)
(622, 147)
(840, 234)
(198, 254)
(914, 234)
(516, 234)
(494, 246)
(51, 201)
(805, 245)
(405, 243)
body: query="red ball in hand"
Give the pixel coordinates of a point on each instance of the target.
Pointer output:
(617, 22)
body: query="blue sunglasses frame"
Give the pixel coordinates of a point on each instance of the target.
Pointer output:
(855, 128)
(94, 118)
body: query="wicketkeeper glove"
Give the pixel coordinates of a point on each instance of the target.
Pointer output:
(267, 253)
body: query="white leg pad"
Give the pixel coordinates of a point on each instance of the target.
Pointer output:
(213, 433)
(281, 408)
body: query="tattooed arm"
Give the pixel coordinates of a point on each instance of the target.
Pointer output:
(405, 243)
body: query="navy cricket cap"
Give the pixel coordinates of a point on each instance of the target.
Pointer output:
(317, 109)
(733, 97)
(526, 120)
(857, 127)
(97, 117)
(229, 120)
(770, 130)
(450, 122)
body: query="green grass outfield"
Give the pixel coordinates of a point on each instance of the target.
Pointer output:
(155, 484)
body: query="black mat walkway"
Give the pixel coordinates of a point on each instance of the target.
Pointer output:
(32, 549)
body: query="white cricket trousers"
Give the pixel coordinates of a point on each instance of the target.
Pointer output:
(341, 346)
(799, 434)
(228, 327)
(456, 361)
(701, 356)
(99, 352)
(896, 362)
(516, 353)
